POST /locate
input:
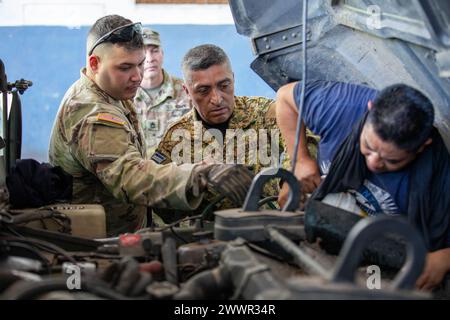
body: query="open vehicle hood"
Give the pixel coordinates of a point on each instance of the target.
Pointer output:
(373, 42)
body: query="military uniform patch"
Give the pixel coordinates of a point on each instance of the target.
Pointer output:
(157, 109)
(158, 157)
(110, 118)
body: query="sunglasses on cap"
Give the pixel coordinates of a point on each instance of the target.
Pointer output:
(123, 33)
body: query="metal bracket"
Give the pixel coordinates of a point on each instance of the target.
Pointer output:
(254, 194)
(278, 40)
(443, 63)
(368, 229)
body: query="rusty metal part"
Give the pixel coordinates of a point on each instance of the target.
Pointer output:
(198, 252)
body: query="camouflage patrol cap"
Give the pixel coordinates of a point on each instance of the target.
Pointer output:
(151, 37)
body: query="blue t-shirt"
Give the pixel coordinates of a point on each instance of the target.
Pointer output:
(330, 110)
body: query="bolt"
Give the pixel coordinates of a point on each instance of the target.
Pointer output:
(267, 47)
(265, 39)
(294, 35)
(284, 38)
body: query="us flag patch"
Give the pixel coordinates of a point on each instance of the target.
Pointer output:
(110, 118)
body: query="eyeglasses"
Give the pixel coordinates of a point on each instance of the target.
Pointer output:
(123, 33)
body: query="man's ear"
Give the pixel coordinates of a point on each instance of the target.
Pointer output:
(369, 105)
(186, 91)
(94, 62)
(426, 143)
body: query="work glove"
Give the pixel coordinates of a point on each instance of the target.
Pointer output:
(231, 180)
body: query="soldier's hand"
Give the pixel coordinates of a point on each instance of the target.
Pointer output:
(284, 195)
(230, 180)
(437, 265)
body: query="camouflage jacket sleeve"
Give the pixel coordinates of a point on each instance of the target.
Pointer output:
(163, 152)
(109, 151)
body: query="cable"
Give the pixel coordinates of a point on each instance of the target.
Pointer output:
(264, 252)
(179, 221)
(42, 243)
(211, 205)
(41, 257)
(22, 237)
(201, 216)
(302, 96)
(168, 226)
(269, 201)
(177, 235)
(14, 232)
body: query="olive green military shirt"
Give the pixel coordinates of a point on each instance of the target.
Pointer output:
(158, 108)
(98, 140)
(252, 138)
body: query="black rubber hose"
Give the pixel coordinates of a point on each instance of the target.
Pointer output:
(44, 245)
(28, 290)
(269, 201)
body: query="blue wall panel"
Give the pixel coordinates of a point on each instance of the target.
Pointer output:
(52, 57)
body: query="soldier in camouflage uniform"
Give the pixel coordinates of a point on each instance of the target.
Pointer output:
(160, 100)
(217, 117)
(249, 113)
(97, 137)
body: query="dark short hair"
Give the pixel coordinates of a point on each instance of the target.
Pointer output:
(402, 115)
(107, 23)
(202, 57)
